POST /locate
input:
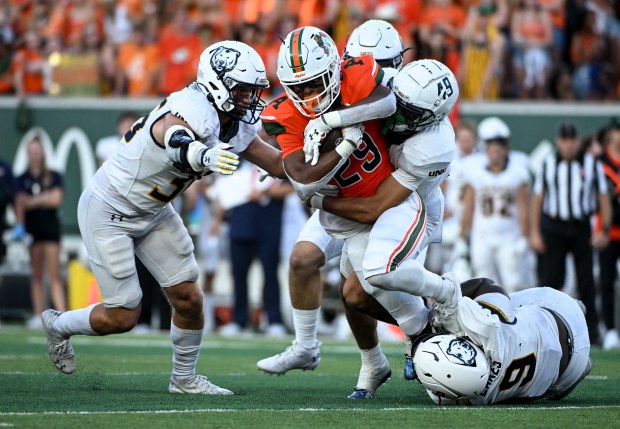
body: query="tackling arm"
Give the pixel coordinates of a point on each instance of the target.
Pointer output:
(366, 210)
(265, 156)
(381, 103)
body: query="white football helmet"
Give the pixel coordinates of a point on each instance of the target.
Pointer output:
(232, 74)
(309, 70)
(379, 39)
(493, 128)
(450, 367)
(426, 91)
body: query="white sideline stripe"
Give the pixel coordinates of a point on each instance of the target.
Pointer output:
(239, 374)
(310, 410)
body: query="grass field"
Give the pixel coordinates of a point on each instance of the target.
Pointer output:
(122, 381)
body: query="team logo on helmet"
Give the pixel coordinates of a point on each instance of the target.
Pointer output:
(463, 351)
(224, 59)
(318, 38)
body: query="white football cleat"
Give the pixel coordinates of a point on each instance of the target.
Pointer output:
(197, 385)
(454, 295)
(370, 380)
(59, 348)
(294, 357)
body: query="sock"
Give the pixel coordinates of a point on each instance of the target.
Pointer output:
(75, 322)
(371, 359)
(185, 350)
(209, 312)
(306, 325)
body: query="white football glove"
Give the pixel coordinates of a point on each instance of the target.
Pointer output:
(219, 159)
(315, 132)
(351, 140)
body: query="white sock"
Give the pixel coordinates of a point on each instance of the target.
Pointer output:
(372, 358)
(306, 325)
(75, 322)
(185, 350)
(209, 312)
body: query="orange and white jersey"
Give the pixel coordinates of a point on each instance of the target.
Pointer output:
(365, 168)
(140, 178)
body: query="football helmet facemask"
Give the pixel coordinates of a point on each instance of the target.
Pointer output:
(379, 39)
(426, 91)
(450, 367)
(232, 74)
(309, 70)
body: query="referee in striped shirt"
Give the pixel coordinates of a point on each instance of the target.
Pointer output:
(570, 186)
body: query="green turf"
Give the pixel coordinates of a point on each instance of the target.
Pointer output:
(122, 381)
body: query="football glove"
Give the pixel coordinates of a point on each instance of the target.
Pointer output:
(219, 159)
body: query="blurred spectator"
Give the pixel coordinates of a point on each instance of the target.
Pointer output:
(587, 50)
(179, 50)
(560, 223)
(609, 256)
(205, 225)
(39, 197)
(7, 197)
(495, 209)
(137, 65)
(254, 215)
(466, 142)
(6, 71)
(482, 52)
(106, 146)
(31, 71)
(561, 84)
(440, 31)
(532, 35)
(557, 12)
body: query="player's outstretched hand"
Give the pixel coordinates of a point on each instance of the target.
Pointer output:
(219, 159)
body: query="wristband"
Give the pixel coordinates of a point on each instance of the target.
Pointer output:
(332, 119)
(345, 148)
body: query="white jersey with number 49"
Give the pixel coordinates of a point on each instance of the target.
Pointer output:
(139, 178)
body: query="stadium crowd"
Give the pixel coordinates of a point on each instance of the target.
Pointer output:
(499, 49)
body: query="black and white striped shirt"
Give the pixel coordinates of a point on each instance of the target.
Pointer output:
(570, 188)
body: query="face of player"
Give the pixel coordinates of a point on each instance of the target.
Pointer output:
(466, 140)
(310, 93)
(497, 154)
(245, 98)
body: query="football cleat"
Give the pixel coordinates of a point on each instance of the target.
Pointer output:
(295, 356)
(369, 381)
(451, 300)
(196, 385)
(59, 348)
